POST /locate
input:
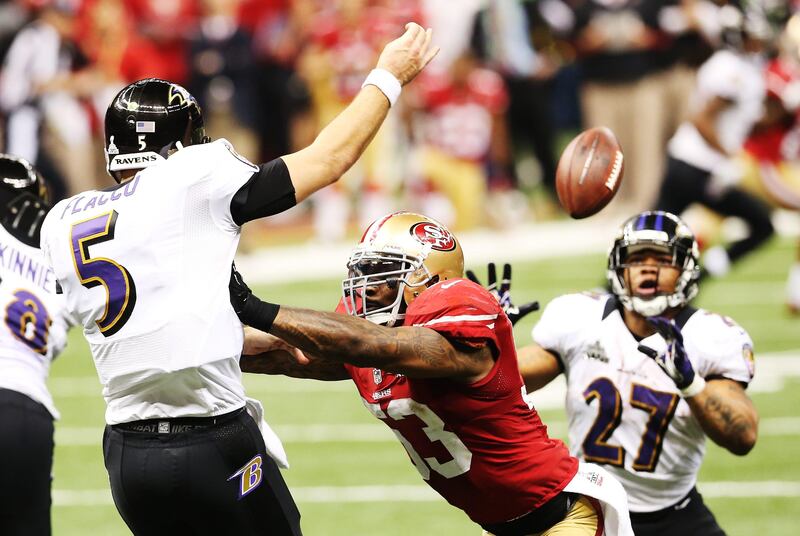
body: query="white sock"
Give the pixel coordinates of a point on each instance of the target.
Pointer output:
(716, 261)
(793, 286)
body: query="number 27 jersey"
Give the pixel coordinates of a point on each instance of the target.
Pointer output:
(624, 411)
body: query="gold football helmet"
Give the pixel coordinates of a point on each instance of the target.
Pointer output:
(403, 250)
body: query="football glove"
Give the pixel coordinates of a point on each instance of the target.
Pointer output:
(502, 293)
(665, 347)
(248, 307)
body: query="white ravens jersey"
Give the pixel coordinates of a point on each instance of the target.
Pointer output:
(35, 320)
(624, 411)
(738, 79)
(145, 267)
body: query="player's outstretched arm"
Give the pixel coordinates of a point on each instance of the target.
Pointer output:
(537, 366)
(341, 143)
(414, 351)
(267, 354)
(281, 362)
(727, 415)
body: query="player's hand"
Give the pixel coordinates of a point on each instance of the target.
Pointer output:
(502, 293)
(665, 347)
(251, 310)
(240, 293)
(257, 342)
(407, 55)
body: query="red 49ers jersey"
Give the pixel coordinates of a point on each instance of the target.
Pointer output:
(482, 446)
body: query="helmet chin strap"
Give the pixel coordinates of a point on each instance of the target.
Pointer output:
(648, 307)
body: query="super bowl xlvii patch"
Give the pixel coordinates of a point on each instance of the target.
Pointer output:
(250, 476)
(749, 359)
(145, 126)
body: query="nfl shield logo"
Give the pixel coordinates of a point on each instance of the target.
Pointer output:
(377, 375)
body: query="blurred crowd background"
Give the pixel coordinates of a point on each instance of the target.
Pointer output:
(474, 142)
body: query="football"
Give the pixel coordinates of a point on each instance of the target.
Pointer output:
(589, 172)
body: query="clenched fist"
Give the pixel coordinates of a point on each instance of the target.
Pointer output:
(407, 55)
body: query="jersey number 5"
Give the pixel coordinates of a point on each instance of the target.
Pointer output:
(119, 285)
(661, 407)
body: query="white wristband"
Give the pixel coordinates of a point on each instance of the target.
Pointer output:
(694, 388)
(386, 82)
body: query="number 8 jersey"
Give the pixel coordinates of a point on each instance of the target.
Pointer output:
(35, 321)
(624, 411)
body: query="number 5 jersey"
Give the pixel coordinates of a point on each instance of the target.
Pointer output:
(144, 267)
(624, 411)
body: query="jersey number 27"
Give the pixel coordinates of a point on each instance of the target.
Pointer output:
(661, 407)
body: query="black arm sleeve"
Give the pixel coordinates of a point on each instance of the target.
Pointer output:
(269, 191)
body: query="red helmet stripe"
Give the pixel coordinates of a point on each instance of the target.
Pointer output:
(372, 231)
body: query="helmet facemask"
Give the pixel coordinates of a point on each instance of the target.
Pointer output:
(373, 269)
(678, 243)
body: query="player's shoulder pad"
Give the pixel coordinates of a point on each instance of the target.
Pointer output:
(55, 214)
(578, 307)
(715, 335)
(452, 297)
(210, 155)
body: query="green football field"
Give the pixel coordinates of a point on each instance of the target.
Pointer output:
(350, 476)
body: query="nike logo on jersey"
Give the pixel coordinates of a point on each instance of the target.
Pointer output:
(448, 285)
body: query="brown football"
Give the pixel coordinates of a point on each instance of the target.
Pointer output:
(589, 172)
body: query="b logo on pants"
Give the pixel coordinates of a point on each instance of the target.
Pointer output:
(249, 476)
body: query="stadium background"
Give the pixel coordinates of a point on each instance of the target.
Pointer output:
(348, 474)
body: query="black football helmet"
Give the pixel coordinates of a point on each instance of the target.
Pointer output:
(660, 231)
(148, 119)
(24, 198)
(17, 176)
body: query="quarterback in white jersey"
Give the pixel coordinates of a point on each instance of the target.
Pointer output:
(648, 376)
(144, 266)
(34, 332)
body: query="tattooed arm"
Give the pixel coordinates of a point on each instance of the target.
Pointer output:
(267, 354)
(415, 352)
(727, 415)
(282, 362)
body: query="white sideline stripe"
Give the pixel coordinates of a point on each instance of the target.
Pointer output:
(420, 493)
(768, 488)
(772, 370)
(72, 436)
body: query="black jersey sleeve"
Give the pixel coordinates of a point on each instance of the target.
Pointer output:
(269, 191)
